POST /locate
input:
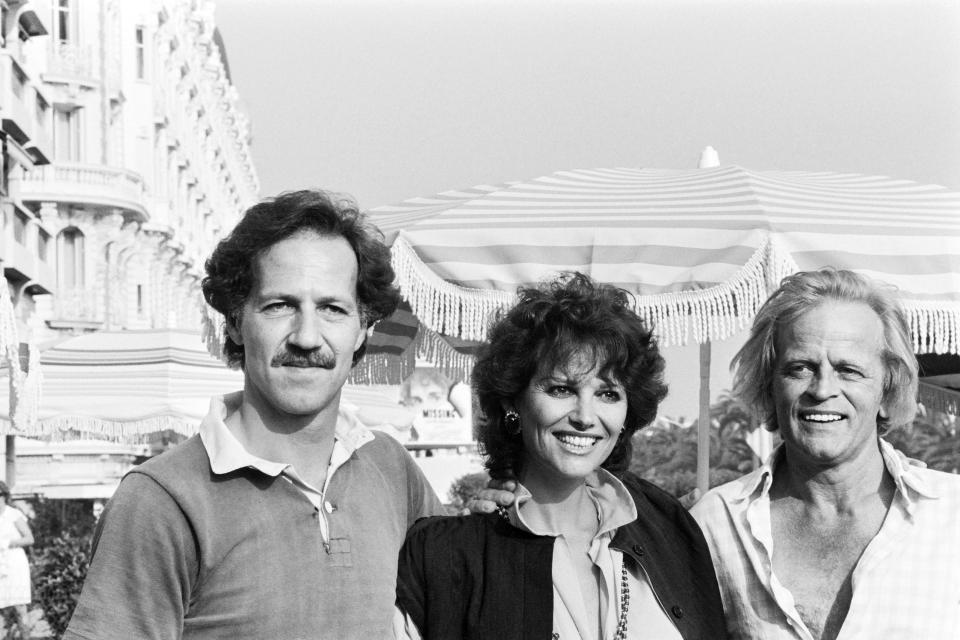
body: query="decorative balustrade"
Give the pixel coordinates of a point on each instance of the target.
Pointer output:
(86, 183)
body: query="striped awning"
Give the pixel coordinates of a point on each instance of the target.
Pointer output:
(699, 249)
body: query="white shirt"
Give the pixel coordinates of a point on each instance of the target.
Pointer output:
(615, 508)
(906, 585)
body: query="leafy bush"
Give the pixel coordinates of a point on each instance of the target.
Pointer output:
(58, 573)
(51, 518)
(466, 487)
(933, 438)
(63, 531)
(665, 453)
(11, 624)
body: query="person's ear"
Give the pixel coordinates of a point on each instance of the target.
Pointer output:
(883, 413)
(362, 337)
(232, 325)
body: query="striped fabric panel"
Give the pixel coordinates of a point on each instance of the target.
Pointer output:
(395, 334)
(391, 218)
(691, 245)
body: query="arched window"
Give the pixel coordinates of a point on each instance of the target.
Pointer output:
(70, 258)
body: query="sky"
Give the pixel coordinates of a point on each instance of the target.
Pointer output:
(392, 99)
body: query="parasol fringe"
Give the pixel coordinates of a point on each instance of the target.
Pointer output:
(440, 305)
(722, 310)
(935, 329)
(381, 368)
(437, 351)
(70, 427)
(711, 314)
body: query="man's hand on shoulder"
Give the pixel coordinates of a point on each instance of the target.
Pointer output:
(690, 499)
(499, 493)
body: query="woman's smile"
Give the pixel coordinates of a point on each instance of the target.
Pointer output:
(570, 417)
(577, 443)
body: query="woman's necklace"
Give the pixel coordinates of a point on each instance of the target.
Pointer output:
(621, 632)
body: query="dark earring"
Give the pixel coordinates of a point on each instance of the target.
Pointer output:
(511, 422)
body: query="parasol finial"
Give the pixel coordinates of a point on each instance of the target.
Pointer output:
(709, 158)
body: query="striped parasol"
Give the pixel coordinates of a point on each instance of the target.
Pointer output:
(700, 249)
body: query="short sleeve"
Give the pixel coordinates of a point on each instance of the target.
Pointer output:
(421, 498)
(143, 568)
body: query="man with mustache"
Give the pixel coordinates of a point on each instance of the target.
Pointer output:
(283, 517)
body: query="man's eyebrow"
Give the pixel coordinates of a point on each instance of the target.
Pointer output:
(271, 295)
(338, 300)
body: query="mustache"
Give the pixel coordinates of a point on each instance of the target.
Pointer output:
(300, 358)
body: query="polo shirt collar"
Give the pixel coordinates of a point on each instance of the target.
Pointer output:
(227, 454)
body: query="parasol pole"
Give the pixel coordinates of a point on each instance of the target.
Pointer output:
(708, 159)
(703, 424)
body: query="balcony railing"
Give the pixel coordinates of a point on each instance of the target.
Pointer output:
(94, 185)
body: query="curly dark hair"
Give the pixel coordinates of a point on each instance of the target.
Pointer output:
(230, 269)
(553, 324)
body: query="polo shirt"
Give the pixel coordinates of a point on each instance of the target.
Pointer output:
(208, 541)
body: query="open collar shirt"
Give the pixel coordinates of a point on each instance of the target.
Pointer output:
(615, 508)
(228, 454)
(906, 584)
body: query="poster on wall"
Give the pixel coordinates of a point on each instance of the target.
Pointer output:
(441, 409)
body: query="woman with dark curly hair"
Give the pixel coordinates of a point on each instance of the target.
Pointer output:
(587, 550)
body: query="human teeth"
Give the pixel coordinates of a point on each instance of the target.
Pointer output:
(576, 441)
(822, 417)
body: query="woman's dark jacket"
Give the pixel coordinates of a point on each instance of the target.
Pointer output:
(479, 577)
